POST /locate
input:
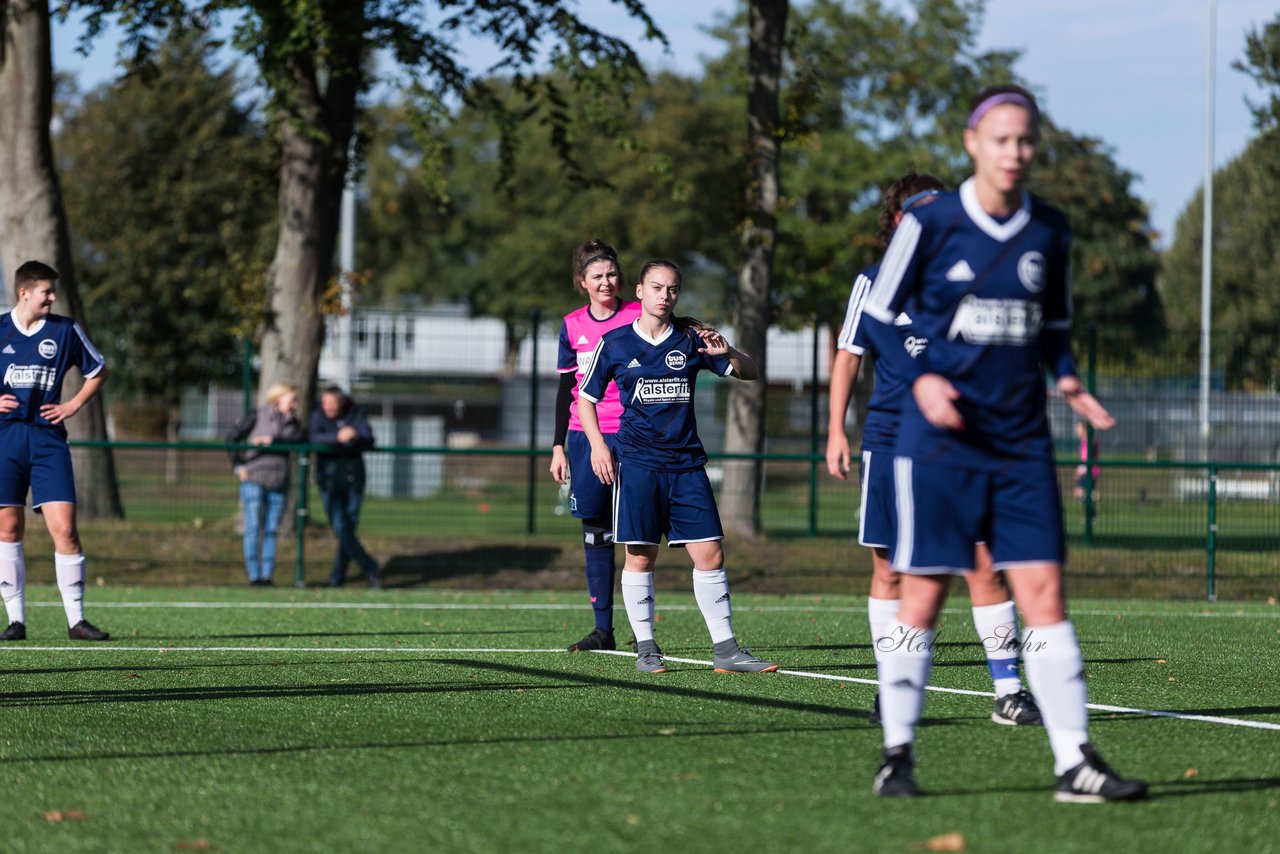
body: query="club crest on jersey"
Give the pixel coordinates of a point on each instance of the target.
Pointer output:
(1031, 271)
(48, 348)
(675, 360)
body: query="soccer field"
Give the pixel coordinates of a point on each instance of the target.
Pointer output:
(282, 720)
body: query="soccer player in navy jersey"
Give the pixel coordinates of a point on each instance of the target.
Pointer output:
(37, 348)
(986, 267)
(994, 616)
(659, 480)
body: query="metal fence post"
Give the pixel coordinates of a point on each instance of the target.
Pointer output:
(531, 515)
(1211, 541)
(1091, 378)
(813, 434)
(300, 514)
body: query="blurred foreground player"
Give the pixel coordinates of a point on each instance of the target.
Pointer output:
(37, 348)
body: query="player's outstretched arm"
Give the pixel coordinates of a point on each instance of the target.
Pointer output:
(601, 456)
(844, 369)
(56, 413)
(1084, 404)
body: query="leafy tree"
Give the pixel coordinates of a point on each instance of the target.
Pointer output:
(33, 222)
(185, 169)
(315, 58)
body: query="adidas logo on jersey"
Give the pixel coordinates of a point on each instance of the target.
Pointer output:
(960, 272)
(634, 363)
(582, 339)
(8, 350)
(902, 319)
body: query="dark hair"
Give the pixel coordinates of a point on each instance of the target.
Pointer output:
(899, 197)
(587, 254)
(1008, 93)
(680, 323)
(30, 273)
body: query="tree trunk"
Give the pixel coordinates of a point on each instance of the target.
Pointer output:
(33, 223)
(316, 137)
(740, 497)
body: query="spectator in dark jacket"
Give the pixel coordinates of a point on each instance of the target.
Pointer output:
(264, 479)
(344, 427)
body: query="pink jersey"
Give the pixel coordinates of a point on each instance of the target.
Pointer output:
(579, 335)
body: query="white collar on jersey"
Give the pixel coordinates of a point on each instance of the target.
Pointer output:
(635, 325)
(17, 324)
(982, 219)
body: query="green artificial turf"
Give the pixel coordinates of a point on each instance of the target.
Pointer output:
(432, 721)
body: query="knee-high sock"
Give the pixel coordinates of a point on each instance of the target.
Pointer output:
(600, 572)
(637, 596)
(13, 581)
(880, 612)
(906, 655)
(711, 590)
(70, 572)
(1055, 672)
(997, 627)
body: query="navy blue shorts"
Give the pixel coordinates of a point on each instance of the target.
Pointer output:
(943, 511)
(877, 513)
(648, 504)
(588, 497)
(36, 460)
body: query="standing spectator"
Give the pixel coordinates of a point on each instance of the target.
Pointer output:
(264, 480)
(39, 347)
(344, 427)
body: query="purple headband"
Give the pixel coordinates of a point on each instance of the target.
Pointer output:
(995, 101)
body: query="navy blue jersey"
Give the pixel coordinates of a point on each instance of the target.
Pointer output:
(880, 431)
(994, 301)
(656, 380)
(36, 360)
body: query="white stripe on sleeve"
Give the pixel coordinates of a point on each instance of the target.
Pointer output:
(853, 315)
(901, 250)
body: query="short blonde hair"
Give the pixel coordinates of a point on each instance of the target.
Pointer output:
(279, 390)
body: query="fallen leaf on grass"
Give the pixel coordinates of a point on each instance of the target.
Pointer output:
(633, 819)
(134, 676)
(200, 844)
(953, 841)
(1173, 678)
(1189, 773)
(1162, 661)
(667, 731)
(66, 815)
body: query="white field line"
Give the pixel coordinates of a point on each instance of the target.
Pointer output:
(292, 650)
(557, 606)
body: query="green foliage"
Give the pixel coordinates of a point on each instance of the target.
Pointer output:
(165, 177)
(1246, 256)
(1262, 63)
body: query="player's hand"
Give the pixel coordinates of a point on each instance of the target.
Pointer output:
(8, 403)
(559, 465)
(717, 344)
(602, 464)
(259, 440)
(936, 396)
(1084, 404)
(838, 457)
(56, 413)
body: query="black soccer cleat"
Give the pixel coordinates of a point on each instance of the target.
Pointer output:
(16, 631)
(598, 639)
(85, 630)
(1093, 782)
(1017, 709)
(873, 717)
(896, 777)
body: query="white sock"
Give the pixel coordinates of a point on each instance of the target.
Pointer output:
(711, 590)
(13, 581)
(1055, 672)
(637, 595)
(904, 671)
(997, 627)
(880, 612)
(70, 571)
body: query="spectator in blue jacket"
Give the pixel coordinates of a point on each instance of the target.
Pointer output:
(344, 427)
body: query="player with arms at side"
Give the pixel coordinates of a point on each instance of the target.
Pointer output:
(994, 616)
(597, 273)
(660, 480)
(37, 348)
(987, 269)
